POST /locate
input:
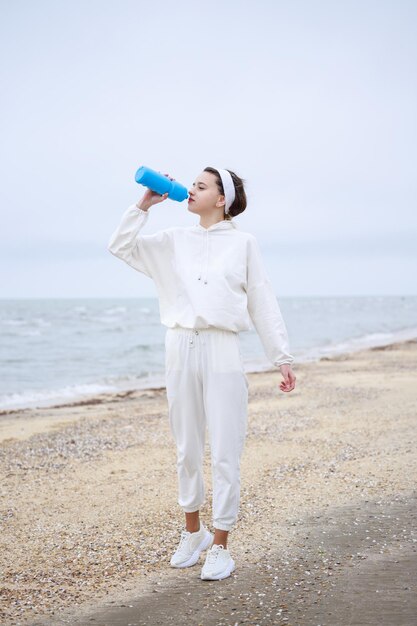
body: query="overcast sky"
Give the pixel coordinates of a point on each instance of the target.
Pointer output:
(313, 103)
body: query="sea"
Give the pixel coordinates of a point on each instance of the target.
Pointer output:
(55, 351)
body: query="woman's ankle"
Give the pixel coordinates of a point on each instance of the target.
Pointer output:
(221, 537)
(192, 522)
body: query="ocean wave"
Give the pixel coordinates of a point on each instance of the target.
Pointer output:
(49, 396)
(115, 310)
(368, 340)
(34, 321)
(30, 333)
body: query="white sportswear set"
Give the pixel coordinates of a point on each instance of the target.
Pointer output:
(211, 284)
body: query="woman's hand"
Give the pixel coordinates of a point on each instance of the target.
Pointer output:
(150, 197)
(288, 383)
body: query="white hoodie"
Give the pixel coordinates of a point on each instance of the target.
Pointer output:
(205, 277)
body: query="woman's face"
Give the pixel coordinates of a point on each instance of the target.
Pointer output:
(204, 194)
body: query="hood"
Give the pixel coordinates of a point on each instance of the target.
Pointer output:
(206, 233)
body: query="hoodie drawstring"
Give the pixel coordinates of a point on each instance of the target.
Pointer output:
(223, 225)
(201, 267)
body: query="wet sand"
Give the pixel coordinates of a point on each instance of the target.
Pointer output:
(89, 516)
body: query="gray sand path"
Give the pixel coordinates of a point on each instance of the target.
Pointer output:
(348, 566)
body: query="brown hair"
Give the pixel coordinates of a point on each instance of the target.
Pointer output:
(240, 202)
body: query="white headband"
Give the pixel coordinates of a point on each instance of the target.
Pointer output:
(229, 188)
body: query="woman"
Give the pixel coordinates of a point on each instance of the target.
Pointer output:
(210, 280)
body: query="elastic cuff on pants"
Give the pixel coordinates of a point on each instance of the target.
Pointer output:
(218, 526)
(191, 510)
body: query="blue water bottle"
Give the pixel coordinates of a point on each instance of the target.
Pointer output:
(161, 184)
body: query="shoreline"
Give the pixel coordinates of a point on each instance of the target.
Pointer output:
(314, 355)
(89, 514)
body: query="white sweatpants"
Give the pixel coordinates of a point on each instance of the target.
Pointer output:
(207, 386)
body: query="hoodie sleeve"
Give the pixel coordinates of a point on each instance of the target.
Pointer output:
(264, 309)
(145, 253)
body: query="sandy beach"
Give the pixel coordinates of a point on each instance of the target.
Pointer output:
(326, 530)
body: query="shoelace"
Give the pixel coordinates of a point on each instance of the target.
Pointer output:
(184, 536)
(214, 553)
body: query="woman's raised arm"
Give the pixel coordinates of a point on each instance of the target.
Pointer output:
(145, 253)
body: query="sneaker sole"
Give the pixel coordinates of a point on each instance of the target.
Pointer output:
(224, 574)
(206, 543)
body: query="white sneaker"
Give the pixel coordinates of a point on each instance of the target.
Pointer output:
(218, 565)
(190, 547)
